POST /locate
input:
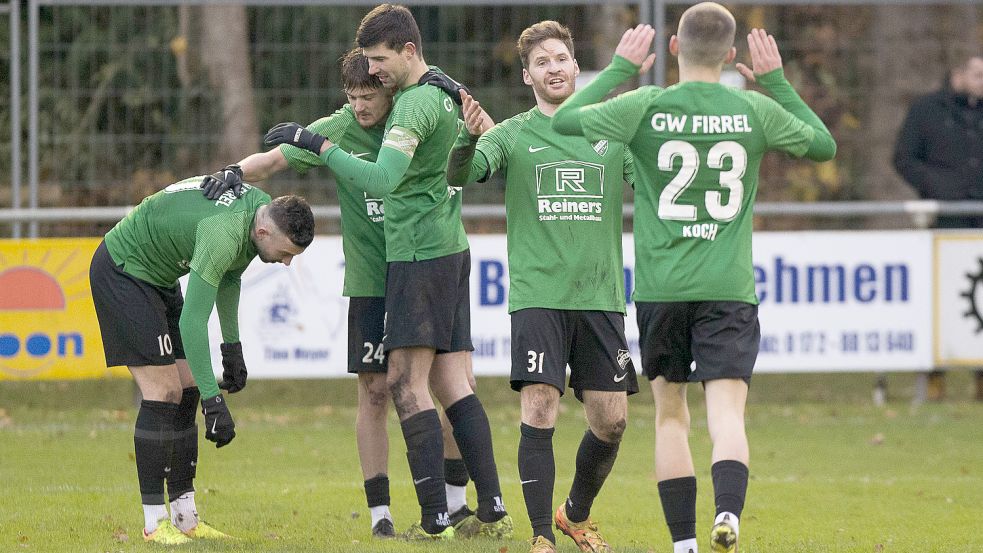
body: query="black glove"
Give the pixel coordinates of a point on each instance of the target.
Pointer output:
(219, 426)
(216, 184)
(233, 368)
(445, 83)
(295, 135)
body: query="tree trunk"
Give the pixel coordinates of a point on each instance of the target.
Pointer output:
(224, 55)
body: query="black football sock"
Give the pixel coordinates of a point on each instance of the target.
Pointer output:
(377, 490)
(184, 458)
(537, 474)
(678, 497)
(153, 440)
(455, 472)
(595, 458)
(729, 486)
(473, 435)
(425, 451)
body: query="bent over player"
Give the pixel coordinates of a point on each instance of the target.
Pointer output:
(428, 318)
(148, 326)
(563, 195)
(698, 148)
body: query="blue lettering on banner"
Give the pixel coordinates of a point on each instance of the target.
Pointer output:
(490, 285)
(40, 344)
(788, 282)
(848, 342)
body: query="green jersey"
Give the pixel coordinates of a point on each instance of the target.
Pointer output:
(363, 236)
(158, 242)
(563, 203)
(697, 181)
(423, 220)
(177, 231)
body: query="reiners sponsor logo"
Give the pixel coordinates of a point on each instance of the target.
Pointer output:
(569, 191)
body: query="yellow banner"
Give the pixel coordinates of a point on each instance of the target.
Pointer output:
(48, 325)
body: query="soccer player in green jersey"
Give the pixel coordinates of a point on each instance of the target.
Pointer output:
(698, 147)
(427, 330)
(563, 195)
(147, 326)
(358, 128)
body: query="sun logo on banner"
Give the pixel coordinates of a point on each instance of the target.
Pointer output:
(41, 293)
(975, 287)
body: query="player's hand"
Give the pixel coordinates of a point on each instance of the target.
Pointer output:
(475, 117)
(445, 83)
(635, 46)
(233, 368)
(764, 55)
(216, 184)
(294, 134)
(219, 426)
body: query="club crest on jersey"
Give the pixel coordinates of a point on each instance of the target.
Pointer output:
(623, 358)
(601, 147)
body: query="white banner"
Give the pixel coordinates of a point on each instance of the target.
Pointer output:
(829, 301)
(841, 301)
(959, 299)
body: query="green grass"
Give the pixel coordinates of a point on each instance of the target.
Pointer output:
(830, 472)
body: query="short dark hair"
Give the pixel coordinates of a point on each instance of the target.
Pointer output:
(293, 216)
(389, 24)
(706, 34)
(542, 31)
(355, 71)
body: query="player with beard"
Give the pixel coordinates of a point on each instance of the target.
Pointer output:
(563, 195)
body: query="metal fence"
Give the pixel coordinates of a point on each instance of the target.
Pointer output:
(112, 114)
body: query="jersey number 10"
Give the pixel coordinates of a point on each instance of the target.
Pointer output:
(730, 179)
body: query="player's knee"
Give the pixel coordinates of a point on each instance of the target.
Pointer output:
(612, 429)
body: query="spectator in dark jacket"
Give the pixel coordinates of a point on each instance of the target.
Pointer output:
(940, 147)
(940, 153)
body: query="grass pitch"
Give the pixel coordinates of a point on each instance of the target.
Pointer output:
(830, 472)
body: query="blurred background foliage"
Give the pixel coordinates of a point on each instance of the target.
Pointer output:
(135, 97)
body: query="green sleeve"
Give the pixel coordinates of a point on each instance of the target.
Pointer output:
(463, 167)
(227, 304)
(629, 167)
(567, 119)
(378, 178)
(198, 302)
(332, 127)
(823, 146)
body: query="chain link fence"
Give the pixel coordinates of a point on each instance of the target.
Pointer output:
(124, 106)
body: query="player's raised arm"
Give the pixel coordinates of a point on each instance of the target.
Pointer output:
(632, 57)
(766, 70)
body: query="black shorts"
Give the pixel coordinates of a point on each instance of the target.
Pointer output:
(139, 322)
(722, 337)
(428, 304)
(545, 341)
(366, 317)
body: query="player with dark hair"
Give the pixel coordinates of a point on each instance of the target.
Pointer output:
(147, 326)
(358, 128)
(563, 194)
(428, 327)
(698, 147)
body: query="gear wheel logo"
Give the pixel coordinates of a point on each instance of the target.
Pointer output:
(975, 292)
